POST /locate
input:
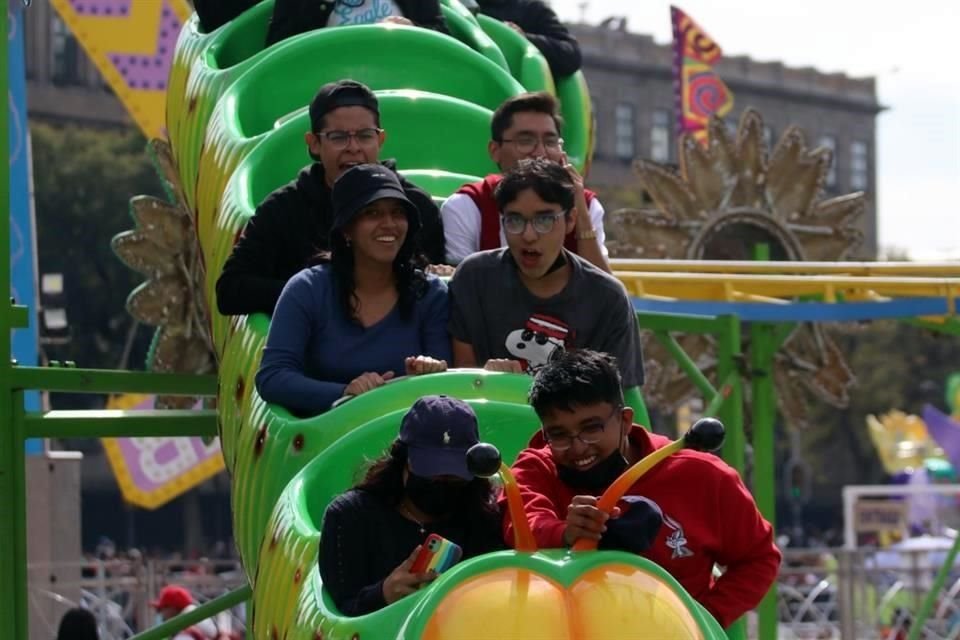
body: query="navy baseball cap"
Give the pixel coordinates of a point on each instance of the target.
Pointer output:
(438, 430)
(363, 184)
(342, 93)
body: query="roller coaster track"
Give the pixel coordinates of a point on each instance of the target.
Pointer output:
(794, 291)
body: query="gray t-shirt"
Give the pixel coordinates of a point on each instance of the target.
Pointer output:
(492, 310)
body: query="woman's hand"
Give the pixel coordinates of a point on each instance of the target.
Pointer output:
(503, 364)
(586, 520)
(516, 27)
(398, 20)
(401, 582)
(366, 382)
(420, 365)
(579, 195)
(441, 270)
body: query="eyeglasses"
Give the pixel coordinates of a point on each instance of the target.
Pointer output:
(527, 142)
(515, 224)
(590, 434)
(341, 139)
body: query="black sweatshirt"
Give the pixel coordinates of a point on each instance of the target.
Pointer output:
(542, 28)
(364, 540)
(288, 229)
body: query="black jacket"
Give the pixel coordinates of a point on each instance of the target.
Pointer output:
(288, 229)
(542, 28)
(291, 17)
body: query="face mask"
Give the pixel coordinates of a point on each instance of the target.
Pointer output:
(158, 619)
(598, 477)
(433, 498)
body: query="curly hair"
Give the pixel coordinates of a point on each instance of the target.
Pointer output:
(410, 280)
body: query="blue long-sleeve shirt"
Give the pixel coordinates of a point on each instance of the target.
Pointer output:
(313, 351)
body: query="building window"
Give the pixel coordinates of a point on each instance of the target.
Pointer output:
(829, 142)
(63, 49)
(859, 172)
(660, 136)
(626, 132)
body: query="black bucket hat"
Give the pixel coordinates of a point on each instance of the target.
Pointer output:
(363, 184)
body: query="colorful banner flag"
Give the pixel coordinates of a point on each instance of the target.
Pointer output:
(153, 471)
(131, 43)
(23, 250)
(698, 90)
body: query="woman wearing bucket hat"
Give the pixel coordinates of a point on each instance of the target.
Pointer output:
(372, 533)
(366, 313)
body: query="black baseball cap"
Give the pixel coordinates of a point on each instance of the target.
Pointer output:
(342, 93)
(438, 430)
(365, 183)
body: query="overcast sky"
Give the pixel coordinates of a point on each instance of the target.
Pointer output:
(910, 47)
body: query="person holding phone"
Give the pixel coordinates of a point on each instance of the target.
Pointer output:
(419, 490)
(523, 127)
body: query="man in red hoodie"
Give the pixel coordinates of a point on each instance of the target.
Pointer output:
(588, 439)
(524, 126)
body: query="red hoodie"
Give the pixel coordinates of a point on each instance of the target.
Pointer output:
(708, 517)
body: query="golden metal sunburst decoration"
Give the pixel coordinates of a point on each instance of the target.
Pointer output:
(728, 197)
(163, 247)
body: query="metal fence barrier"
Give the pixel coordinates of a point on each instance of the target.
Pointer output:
(823, 594)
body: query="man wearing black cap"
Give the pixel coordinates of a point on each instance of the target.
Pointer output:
(372, 533)
(293, 223)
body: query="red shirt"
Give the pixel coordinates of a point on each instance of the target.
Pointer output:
(709, 517)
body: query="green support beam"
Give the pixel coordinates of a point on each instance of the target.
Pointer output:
(108, 423)
(13, 557)
(75, 380)
(204, 611)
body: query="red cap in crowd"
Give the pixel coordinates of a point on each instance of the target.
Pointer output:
(173, 597)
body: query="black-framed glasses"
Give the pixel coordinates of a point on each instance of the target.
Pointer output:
(527, 142)
(590, 434)
(515, 224)
(341, 139)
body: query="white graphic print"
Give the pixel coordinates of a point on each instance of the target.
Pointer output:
(676, 539)
(541, 340)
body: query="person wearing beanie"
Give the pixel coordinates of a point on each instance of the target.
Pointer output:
(292, 224)
(365, 315)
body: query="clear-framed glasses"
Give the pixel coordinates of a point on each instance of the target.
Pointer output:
(341, 139)
(527, 142)
(590, 434)
(515, 224)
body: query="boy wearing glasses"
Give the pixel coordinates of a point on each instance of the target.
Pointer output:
(292, 225)
(588, 439)
(516, 308)
(525, 126)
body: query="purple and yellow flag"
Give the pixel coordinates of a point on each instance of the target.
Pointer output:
(698, 89)
(132, 43)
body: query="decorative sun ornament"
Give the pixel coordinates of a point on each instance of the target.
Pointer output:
(163, 247)
(728, 197)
